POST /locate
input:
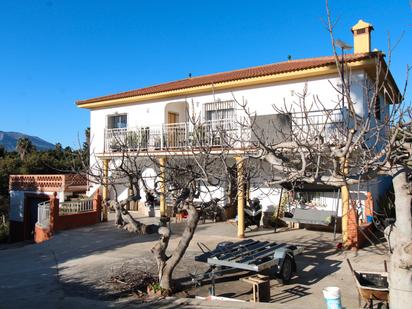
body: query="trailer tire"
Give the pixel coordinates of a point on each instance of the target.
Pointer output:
(286, 271)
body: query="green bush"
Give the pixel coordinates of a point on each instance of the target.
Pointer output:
(4, 232)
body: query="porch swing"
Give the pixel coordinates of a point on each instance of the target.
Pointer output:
(306, 211)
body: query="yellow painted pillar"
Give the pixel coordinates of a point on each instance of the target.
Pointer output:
(345, 207)
(105, 193)
(162, 163)
(240, 197)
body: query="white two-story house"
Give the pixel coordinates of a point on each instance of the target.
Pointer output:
(157, 117)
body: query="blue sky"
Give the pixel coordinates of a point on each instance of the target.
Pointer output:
(53, 53)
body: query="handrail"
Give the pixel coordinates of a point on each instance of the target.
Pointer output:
(172, 135)
(43, 214)
(331, 124)
(75, 207)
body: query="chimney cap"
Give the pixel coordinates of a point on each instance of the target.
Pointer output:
(362, 25)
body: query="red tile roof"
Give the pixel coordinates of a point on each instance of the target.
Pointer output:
(263, 70)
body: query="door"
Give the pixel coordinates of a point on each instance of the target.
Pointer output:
(172, 117)
(172, 129)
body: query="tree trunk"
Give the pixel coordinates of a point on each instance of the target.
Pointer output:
(400, 266)
(166, 265)
(124, 219)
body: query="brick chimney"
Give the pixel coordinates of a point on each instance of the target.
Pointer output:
(362, 37)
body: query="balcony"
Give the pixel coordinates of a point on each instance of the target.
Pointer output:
(176, 136)
(331, 125)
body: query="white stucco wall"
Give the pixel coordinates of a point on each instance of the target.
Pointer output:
(261, 99)
(269, 197)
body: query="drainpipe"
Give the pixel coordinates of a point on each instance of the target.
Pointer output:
(162, 163)
(105, 193)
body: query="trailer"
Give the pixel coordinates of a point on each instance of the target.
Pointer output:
(249, 255)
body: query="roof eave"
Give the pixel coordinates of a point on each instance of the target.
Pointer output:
(293, 75)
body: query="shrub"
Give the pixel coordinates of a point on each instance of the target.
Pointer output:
(4, 231)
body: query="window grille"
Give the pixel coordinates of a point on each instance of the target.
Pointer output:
(219, 110)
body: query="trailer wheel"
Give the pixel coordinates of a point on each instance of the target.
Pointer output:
(287, 270)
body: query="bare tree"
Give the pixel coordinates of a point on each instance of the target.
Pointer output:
(193, 176)
(339, 147)
(194, 172)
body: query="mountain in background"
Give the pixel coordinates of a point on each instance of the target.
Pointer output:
(9, 141)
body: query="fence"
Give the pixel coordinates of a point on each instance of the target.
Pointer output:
(75, 207)
(54, 216)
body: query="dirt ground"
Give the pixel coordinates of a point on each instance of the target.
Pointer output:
(73, 268)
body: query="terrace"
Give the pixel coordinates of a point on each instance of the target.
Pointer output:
(332, 125)
(175, 136)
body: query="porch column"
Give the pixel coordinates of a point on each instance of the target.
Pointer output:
(162, 163)
(240, 197)
(345, 207)
(54, 213)
(105, 193)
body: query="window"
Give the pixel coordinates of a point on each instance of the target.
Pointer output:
(117, 121)
(219, 110)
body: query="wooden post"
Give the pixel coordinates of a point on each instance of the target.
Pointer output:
(105, 188)
(260, 287)
(345, 207)
(240, 197)
(352, 230)
(162, 162)
(97, 205)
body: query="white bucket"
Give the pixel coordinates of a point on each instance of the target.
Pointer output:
(332, 297)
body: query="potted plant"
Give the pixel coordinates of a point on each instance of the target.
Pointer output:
(154, 289)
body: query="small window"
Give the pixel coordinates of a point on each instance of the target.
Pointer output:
(117, 122)
(378, 108)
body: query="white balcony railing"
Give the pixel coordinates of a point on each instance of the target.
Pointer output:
(43, 214)
(331, 125)
(75, 207)
(216, 133)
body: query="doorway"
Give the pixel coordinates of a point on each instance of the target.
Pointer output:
(31, 203)
(172, 117)
(172, 129)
